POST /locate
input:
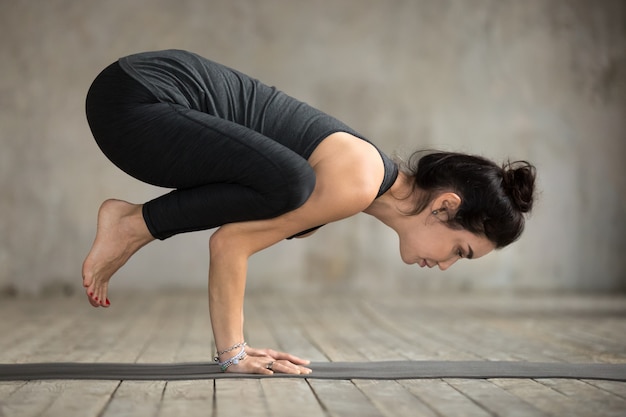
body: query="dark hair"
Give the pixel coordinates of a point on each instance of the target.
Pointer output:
(494, 198)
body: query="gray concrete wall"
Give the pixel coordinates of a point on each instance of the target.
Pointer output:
(537, 80)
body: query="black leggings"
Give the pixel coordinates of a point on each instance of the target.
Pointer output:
(222, 172)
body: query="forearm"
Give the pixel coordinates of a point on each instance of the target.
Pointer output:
(231, 246)
(227, 283)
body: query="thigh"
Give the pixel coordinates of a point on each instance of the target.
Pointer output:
(222, 172)
(173, 146)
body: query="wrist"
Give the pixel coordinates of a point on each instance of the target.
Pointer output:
(235, 360)
(228, 352)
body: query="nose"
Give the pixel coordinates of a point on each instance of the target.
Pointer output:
(446, 264)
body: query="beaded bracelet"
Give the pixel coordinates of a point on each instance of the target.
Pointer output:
(216, 358)
(234, 360)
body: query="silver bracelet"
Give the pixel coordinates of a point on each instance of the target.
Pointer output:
(216, 358)
(234, 360)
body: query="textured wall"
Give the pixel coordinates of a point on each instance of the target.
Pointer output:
(542, 80)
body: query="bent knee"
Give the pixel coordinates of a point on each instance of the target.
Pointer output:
(303, 187)
(298, 188)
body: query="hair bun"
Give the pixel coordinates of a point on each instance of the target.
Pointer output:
(518, 181)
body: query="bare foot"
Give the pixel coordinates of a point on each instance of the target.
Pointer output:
(121, 232)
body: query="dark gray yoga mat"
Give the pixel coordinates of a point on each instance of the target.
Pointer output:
(331, 370)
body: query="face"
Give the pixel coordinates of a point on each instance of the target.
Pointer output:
(428, 241)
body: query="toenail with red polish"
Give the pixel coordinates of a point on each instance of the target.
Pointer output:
(108, 302)
(96, 298)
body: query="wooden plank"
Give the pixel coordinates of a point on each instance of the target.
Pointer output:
(604, 403)
(553, 322)
(444, 399)
(375, 340)
(571, 328)
(241, 397)
(334, 330)
(614, 387)
(363, 333)
(382, 342)
(545, 398)
(297, 341)
(136, 337)
(33, 398)
(188, 399)
(7, 388)
(175, 327)
(257, 330)
(288, 331)
(31, 344)
(425, 341)
(343, 398)
(610, 327)
(82, 337)
(607, 331)
(100, 329)
(267, 328)
(392, 399)
(197, 344)
(135, 399)
(538, 345)
(262, 327)
(166, 339)
(322, 325)
(476, 335)
(23, 325)
(78, 332)
(494, 399)
(263, 330)
(81, 398)
(291, 397)
(495, 342)
(577, 347)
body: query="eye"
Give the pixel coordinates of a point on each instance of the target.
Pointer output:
(460, 253)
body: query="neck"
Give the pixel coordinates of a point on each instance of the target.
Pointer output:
(394, 203)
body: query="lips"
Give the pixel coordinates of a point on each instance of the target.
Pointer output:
(423, 263)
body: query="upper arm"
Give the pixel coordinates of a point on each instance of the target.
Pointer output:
(346, 183)
(253, 236)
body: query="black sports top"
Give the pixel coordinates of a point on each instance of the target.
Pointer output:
(187, 79)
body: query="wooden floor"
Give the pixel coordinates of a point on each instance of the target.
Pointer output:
(175, 328)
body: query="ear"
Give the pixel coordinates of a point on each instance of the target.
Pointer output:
(447, 202)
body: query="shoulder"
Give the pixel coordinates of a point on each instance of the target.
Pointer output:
(348, 168)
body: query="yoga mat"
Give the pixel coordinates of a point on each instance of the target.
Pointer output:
(331, 370)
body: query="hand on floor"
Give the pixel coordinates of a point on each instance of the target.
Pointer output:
(268, 362)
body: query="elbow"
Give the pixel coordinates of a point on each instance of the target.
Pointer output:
(226, 243)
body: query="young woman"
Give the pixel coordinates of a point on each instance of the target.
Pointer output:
(262, 166)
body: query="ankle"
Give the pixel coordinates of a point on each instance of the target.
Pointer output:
(137, 224)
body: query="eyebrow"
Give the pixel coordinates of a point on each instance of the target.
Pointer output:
(470, 253)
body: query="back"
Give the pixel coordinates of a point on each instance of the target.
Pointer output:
(187, 79)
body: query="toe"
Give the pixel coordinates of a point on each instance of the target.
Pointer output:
(97, 298)
(102, 295)
(92, 301)
(87, 276)
(92, 296)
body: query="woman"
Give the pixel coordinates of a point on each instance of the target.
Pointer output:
(262, 166)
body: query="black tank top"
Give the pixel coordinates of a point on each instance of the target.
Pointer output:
(187, 79)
